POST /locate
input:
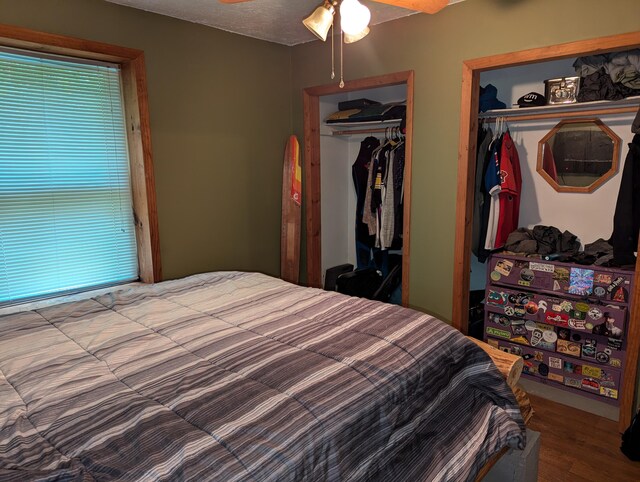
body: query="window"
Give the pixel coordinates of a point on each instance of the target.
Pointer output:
(66, 204)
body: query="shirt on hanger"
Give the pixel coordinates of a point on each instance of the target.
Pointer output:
(492, 185)
(510, 188)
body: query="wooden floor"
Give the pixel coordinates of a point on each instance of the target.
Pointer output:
(578, 446)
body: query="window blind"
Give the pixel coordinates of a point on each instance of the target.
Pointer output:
(66, 217)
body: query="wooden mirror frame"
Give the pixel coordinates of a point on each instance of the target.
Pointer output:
(598, 182)
(471, 70)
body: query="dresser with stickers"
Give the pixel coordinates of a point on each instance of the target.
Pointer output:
(567, 321)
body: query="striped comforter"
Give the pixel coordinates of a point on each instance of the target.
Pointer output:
(235, 376)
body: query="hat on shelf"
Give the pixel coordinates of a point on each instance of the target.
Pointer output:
(532, 99)
(489, 99)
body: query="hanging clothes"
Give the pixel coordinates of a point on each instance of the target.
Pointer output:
(626, 220)
(484, 139)
(492, 186)
(510, 187)
(360, 175)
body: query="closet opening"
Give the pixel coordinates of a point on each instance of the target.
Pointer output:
(468, 274)
(336, 170)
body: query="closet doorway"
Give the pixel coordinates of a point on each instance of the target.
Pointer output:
(312, 97)
(471, 70)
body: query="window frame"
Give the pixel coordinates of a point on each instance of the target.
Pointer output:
(137, 122)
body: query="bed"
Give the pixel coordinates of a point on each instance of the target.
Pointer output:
(240, 376)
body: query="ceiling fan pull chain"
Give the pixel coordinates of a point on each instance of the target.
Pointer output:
(341, 62)
(333, 57)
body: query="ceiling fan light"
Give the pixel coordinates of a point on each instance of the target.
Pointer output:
(354, 17)
(320, 21)
(349, 39)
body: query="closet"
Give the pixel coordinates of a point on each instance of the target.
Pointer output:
(516, 73)
(330, 151)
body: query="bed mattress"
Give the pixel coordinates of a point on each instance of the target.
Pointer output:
(240, 376)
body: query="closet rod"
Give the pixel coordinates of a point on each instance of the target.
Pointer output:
(360, 131)
(557, 115)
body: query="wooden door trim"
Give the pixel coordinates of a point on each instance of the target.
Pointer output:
(471, 70)
(311, 106)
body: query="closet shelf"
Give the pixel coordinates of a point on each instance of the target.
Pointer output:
(580, 109)
(371, 127)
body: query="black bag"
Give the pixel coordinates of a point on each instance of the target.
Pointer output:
(631, 440)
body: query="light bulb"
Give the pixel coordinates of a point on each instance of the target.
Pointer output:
(354, 17)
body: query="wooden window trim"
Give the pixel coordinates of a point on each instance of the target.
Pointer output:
(136, 106)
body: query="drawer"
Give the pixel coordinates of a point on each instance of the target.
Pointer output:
(565, 371)
(597, 319)
(595, 349)
(598, 283)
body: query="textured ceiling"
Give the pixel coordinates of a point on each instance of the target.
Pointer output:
(277, 21)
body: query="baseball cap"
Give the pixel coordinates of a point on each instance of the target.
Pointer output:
(532, 99)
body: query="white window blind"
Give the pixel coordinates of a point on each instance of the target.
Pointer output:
(66, 217)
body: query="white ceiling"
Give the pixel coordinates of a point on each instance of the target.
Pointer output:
(277, 21)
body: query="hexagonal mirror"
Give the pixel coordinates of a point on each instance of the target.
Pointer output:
(578, 155)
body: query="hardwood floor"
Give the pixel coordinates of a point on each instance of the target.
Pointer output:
(577, 446)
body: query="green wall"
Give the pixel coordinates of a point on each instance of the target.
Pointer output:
(435, 47)
(220, 109)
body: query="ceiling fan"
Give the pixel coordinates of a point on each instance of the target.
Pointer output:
(354, 19)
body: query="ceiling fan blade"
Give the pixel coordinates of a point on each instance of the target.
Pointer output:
(426, 6)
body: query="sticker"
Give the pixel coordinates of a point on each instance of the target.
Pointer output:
(588, 326)
(509, 311)
(524, 283)
(620, 295)
(614, 284)
(527, 275)
(566, 306)
(493, 343)
(555, 377)
(549, 336)
(607, 351)
(543, 369)
(558, 319)
(579, 315)
(590, 384)
(572, 368)
(615, 362)
(556, 308)
(536, 337)
(530, 325)
(521, 340)
(595, 313)
(504, 267)
(496, 298)
(589, 349)
(568, 347)
(531, 308)
(495, 276)
(572, 382)
(556, 285)
(555, 362)
(542, 305)
(516, 350)
(609, 392)
(602, 278)
(614, 344)
(561, 274)
(584, 307)
(589, 371)
(519, 311)
(602, 357)
(581, 281)
(499, 333)
(576, 337)
(576, 324)
(539, 356)
(547, 268)
(512, 299)
(518, 328)
(527, 356)
(599, 291)
(564, 334)
(499, 319)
